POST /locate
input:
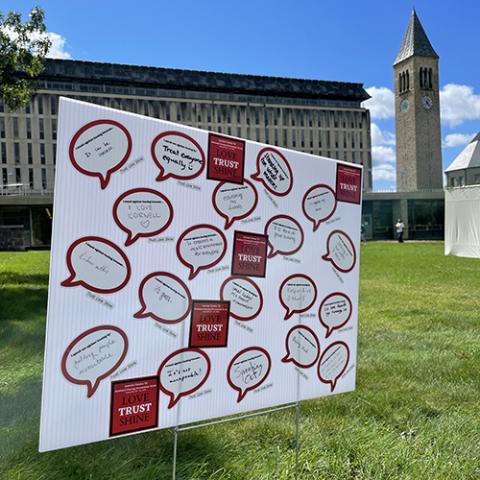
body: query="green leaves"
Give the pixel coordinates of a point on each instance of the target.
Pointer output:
(23, 47)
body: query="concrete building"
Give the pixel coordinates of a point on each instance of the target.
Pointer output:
(319, 117)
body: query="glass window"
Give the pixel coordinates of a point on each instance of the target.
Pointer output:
(30, 178)
(53, 105)
(29, 128)
(41, 129)
(44, 178)
(30, 153)
(54, 128)
(4, 153)
(42, 153)
(15, 127)
(18, 175)
(2, 127)
(16, 152)
(40, 104)
(4, 176)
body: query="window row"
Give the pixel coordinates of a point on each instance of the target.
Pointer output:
(18, 127)
(29, 153)
(17, 177)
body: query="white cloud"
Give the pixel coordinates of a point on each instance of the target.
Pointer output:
(381, 137)
(457, 139)
(458, 103)
(382, 154)
(58, 47)
(382, 103)
(385, 172)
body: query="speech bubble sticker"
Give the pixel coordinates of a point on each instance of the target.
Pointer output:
(297, 294)
(333, 363)
(183, 372)
(94, 355)
(201, 247)
(97, 264)
(335, 311)
(248, 369)
(319, 204)
(100, 148)
(142, 212)
(233, 201)
(303, 347)
(164, 297)
(285, 235)
(246, 300)
(273, 170)
(340, 251)
(177, 155)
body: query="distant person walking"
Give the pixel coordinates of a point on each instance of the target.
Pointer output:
(399, 228)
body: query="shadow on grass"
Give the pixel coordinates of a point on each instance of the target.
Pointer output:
(14, 278)
(23, 303)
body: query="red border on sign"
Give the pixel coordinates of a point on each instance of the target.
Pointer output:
(288, 357)
(285, 306)
(329, 329)
(68, 282)
(71, 151)
(174, 401)
(251, 282)
(329, 382)
(138, 379)
(274, 252)
(327, 258)
(193, 272)
(257, 175)
(241, 395)
(131, 239)
(316, 223)
(160, 176)
(230, 221)
(91, 389)
(141, 314)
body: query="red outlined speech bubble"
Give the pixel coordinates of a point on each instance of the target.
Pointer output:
(340, 251)
(201, 247)
(183, 372)
(248, 369)
(333, 363)
(297, 294)
(177, 155)
(142, 212)
(100, 148)
(97, 264)
(164, 297)
(246, 300)
(303, 347)
(285, 235)
(273, 170)
(335, 311)
(94, 355)
(319, 204)
(233, 201)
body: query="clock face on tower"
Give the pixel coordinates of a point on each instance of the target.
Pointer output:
(404, 105)
(427, 102)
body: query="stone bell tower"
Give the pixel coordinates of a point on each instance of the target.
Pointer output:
(417, 112)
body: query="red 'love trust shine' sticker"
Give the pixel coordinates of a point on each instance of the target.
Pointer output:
(349, 184)
(226, 159)
(249, 254)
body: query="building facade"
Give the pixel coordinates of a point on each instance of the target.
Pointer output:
(320, 117)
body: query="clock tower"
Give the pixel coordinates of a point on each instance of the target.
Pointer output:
(417, 112)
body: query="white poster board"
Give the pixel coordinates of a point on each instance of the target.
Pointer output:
(193, 275)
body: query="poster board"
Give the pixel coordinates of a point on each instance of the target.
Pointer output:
(193, 275)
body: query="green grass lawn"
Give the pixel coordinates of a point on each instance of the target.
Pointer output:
(415, 414)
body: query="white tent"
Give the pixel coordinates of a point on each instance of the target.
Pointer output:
(462, 221)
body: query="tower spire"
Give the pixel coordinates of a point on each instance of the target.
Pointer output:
(415, 41)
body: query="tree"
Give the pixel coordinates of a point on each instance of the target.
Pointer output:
(23, 47)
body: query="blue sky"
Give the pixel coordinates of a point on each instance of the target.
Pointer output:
(347, 41)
